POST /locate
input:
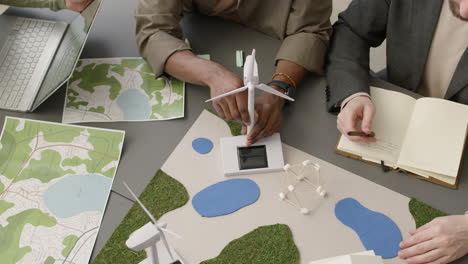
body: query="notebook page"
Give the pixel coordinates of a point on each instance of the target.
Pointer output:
(436, 137)
(447, 179)
(393, 112)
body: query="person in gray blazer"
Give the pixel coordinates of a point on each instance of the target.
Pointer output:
(427, 53)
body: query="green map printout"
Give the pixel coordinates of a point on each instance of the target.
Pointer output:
(55, 181)
(121, 89)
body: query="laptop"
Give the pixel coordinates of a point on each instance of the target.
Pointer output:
(38, 56)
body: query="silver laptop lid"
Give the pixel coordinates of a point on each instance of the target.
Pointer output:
(68, 52)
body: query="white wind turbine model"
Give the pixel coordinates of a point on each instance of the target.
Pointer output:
(251, 82)
(263, 156)
(147, 238)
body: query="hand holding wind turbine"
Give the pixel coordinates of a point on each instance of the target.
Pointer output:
(251, 82)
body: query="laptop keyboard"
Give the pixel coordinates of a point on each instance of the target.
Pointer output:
(61, 67)
(24, 48)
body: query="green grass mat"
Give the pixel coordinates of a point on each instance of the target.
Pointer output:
(423, 213)
(163, 194)
(234, 126)
(272, 244)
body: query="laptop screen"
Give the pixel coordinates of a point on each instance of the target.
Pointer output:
(68, 52)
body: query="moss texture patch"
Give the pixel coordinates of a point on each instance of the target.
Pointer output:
(163, 194)
(423, 213)
(234, 126)
(272, 244)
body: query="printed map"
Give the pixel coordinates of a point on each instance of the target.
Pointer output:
(55, 181)
(121, 89)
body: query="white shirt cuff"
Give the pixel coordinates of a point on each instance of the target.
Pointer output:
(349, 98)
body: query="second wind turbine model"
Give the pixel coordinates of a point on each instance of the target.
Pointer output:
(147, 238)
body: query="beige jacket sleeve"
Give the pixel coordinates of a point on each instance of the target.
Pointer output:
(54, 5)
(159, 33)
(308, 33)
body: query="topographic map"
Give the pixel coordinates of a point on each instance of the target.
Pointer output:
(121, 89)
(55, 181)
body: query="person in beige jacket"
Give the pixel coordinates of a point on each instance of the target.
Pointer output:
(55, 5)
(302, 25)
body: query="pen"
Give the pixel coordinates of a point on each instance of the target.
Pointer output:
(360, 134)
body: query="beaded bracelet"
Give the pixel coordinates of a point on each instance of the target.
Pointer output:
(287, 77)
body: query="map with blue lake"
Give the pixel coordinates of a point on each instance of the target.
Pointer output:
(55, 180)
(121, 89)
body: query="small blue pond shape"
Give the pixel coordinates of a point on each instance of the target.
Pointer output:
(202, 145)
(76, 194)
(377, 231)
(225, 197)
(134, 104)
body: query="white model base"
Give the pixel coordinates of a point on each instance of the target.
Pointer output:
(164, 257)
(230, 155)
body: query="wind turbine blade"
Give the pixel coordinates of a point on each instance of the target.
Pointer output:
(166, 244)
(161, 230)
(171, 233)
(238, 90)
(142, 205)
(268, 89)
(255, 77)
(249, 68)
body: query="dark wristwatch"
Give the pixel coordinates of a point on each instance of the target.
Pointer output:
(288, 88)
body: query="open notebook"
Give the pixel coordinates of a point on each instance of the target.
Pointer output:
(367, 257)
(424, 138)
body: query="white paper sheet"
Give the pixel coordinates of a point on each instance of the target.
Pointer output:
(3, 8)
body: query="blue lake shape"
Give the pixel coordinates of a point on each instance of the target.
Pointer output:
(225, 197)
(377, 231)
(202, 145)
(134, 104)
(76, 194)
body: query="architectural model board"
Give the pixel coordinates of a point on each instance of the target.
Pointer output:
(318, 235)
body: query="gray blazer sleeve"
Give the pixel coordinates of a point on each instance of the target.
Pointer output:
(361, 26)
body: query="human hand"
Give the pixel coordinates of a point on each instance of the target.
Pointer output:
(441, 241)
(362, 109)
(269, 117)
(77, 5)
(233, 107)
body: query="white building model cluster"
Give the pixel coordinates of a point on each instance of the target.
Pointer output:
(305, 173)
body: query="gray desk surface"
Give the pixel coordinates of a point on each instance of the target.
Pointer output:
(307, 124)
